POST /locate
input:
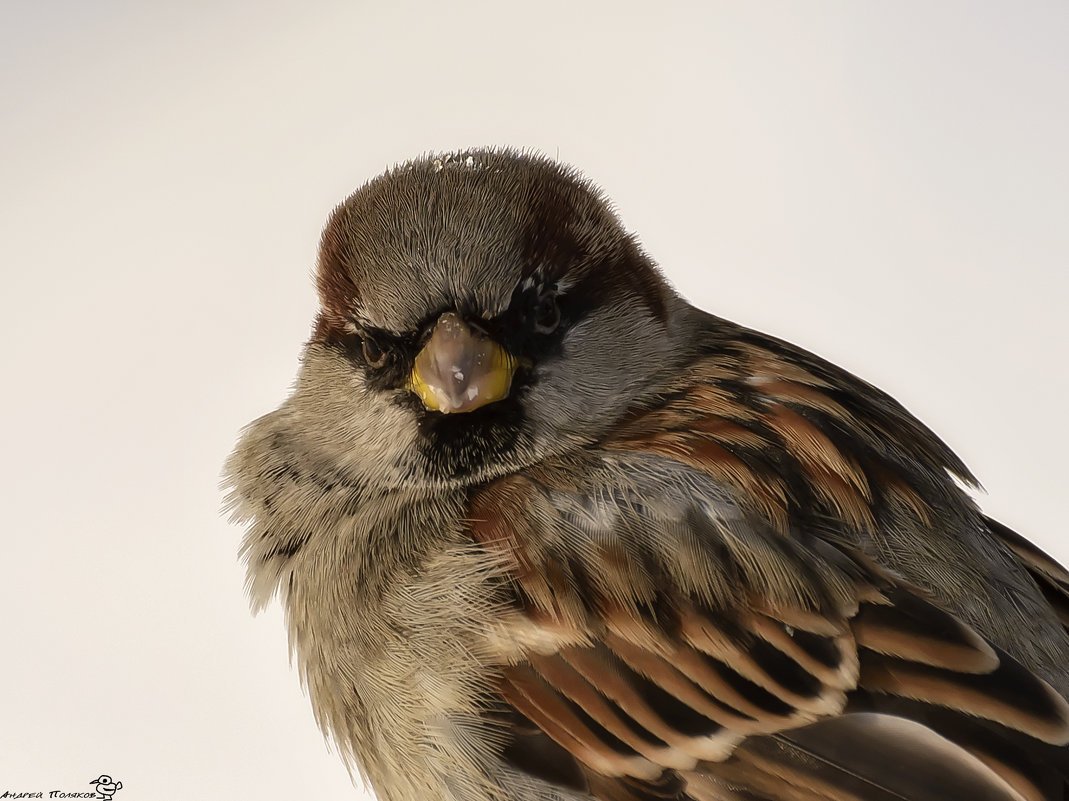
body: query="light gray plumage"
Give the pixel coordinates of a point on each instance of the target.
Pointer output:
(657, 486)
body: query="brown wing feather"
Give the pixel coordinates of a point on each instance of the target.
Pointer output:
(1052, 578)
(692, 618)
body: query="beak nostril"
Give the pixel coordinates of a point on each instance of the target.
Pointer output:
(478, 328)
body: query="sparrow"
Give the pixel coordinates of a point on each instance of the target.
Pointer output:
(542, 530)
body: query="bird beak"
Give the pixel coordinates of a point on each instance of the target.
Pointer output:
(460, 370)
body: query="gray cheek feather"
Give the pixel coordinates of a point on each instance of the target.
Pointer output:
(361, 432)
(581, 392)
(330, 447)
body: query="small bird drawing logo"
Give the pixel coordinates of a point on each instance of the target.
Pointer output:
(106, 786)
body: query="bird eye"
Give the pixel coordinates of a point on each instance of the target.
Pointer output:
(546, 313)
(374, 354)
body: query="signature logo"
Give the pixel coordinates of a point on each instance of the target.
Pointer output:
(106, 787)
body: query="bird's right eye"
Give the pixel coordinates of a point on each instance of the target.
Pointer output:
(374, 354)
(546, 312)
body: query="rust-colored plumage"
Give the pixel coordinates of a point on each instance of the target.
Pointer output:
(660, 675)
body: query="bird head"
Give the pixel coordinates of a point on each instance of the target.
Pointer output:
(478, 312)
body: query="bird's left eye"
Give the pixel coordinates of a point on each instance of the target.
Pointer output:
(374, 353)
(546, 312)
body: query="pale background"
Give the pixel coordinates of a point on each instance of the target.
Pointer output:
(884, 183)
